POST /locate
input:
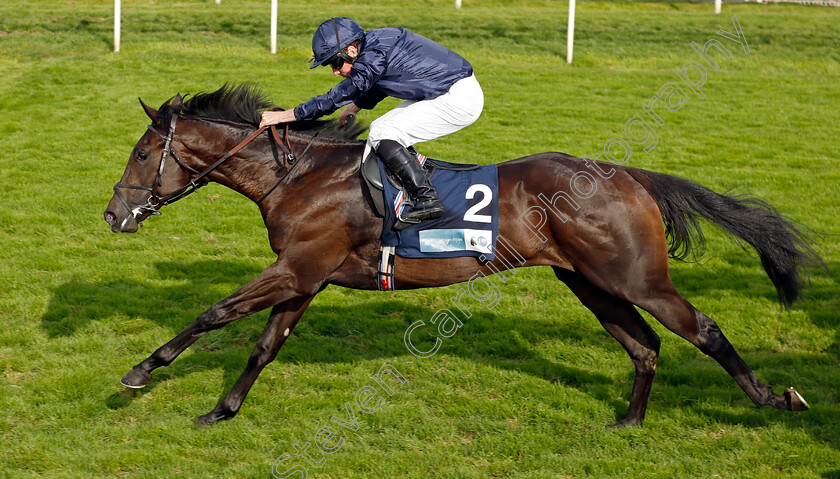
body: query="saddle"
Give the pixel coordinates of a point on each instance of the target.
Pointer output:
(373, 177)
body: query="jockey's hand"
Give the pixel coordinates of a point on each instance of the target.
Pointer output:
(276, 117)
(348, 113)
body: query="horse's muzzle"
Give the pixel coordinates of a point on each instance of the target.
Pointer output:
(126, 225)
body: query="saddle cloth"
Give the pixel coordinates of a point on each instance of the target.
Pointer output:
(469, 225)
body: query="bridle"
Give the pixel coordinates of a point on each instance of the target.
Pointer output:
(198, 179)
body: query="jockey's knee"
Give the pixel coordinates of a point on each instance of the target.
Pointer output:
(388, 147)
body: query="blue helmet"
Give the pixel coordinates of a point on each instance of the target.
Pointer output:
(332, 37)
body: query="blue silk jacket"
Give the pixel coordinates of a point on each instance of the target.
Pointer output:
(393, 62)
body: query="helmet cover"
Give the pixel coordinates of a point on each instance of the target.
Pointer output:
(324, 46)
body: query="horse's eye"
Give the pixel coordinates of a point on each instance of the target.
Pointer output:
(141, 155)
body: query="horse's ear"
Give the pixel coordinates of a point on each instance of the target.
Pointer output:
(151, 112)
(178, 101)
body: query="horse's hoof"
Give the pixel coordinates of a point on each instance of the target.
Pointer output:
(135, 379)
(211, 418)
(795, 400)
(205, 420)
(624, 423)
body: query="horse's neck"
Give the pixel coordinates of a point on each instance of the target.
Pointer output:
(259, 166)
(339, 156)
(318, 159)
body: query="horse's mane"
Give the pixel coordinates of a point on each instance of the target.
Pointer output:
(243, 104)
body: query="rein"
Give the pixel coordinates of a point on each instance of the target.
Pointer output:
(156, 201)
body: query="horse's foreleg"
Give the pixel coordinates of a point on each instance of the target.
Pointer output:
(627, 326)
(283, 319)
(273, 286)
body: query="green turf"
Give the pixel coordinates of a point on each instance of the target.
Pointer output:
(520, 391)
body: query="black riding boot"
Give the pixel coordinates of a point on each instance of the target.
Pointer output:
(427, 204)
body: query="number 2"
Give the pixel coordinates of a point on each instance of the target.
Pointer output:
(487, 196)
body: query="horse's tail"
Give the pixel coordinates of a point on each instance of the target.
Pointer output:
(784, 250)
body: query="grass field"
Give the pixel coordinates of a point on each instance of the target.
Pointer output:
(523, 391)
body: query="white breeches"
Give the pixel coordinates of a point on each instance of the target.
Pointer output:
(415, 121)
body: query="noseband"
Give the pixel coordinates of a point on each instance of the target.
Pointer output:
(197, 179)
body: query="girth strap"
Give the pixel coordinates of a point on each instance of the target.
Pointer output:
(385, 272)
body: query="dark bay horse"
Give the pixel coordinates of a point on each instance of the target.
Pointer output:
(610, 247)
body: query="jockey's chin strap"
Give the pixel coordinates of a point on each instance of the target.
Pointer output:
(156, 200)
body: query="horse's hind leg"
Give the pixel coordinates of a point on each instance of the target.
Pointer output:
(627, 326)
(678, 315)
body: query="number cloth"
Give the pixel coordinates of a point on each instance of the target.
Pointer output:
(467, 228)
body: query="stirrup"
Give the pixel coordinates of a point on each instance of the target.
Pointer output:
(402, 223)
(424, 215)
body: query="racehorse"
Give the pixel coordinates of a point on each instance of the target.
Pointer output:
(610, 248)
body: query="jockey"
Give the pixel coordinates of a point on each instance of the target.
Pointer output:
(440, 91)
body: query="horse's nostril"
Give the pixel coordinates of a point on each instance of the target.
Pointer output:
(110, 217)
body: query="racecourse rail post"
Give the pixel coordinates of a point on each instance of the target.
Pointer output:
(117, 25)
(570, 35)
(717, 6)
(457, 3)
(273, 26)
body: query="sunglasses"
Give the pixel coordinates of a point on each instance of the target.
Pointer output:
(335, 62)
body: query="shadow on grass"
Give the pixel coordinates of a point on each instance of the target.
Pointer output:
(374, 328)
(171, 299)
(97, 28)
(330, 334)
